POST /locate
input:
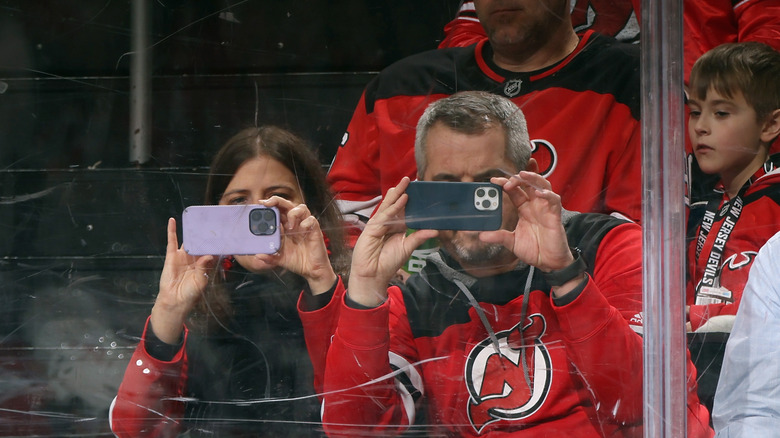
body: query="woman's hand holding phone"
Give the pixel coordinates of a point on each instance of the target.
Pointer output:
(303, 249)
(182, 282)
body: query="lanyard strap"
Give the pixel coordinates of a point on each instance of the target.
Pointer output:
(731, 211)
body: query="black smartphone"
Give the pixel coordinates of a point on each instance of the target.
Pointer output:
(230, 230)
(441, 205)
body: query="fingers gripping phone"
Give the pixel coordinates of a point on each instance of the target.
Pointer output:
(443, 205)
(230, 230)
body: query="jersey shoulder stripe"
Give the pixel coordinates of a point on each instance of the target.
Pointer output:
(603, 66)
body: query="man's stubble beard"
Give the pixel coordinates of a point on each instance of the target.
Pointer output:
(481, 254)
(527, 36)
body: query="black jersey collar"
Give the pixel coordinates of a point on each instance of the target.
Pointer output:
(484, 55)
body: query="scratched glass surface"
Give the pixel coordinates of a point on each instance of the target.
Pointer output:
(84, 202)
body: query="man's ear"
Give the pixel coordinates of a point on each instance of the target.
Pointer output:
(532, 166)
(771, 128)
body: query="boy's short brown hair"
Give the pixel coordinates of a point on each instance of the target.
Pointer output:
(749, 67)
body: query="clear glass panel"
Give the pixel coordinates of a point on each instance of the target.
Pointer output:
(663, 219)
(111, 114)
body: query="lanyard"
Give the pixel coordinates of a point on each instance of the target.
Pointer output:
(731, 212)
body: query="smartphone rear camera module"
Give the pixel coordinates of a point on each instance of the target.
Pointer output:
(486, 198)
(262, 222)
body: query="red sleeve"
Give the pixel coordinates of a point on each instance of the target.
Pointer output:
(318, 328)
(462, 33)
(354, 173)
(603, 323)
(359, 384)
(597, 324)
(149, 399)
(708, 24)
(464, 30)
(759, 20)
(637, 5)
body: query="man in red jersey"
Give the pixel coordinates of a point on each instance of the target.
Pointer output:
(706, 24)
(580, 94)
(529, 330)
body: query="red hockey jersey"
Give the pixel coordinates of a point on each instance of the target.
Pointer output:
(706, 24)
(518, 362)
(582, 115)
(729, 244)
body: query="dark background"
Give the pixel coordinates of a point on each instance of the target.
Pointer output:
(301, 63)
(81, 227)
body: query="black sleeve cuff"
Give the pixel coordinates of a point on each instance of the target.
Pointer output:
(316, 302)
(572, 294)
(159, 349)
(353, 305)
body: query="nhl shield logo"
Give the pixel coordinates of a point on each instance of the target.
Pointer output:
(512, 87)
(513, 381)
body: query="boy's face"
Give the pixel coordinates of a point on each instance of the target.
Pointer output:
(725, 135)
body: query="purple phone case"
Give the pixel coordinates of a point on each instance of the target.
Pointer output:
(225, 230)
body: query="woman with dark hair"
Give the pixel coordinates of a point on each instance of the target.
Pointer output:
(223, 352)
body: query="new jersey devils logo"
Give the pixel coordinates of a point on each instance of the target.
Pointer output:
(545, 155)
(496, 380)
(736, 261)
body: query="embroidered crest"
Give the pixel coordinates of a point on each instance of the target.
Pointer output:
(513, 382)
(512, 87)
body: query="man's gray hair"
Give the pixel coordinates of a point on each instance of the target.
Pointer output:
(472, 113)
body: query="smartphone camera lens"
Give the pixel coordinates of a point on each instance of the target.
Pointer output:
(262, 222)
(486, 198)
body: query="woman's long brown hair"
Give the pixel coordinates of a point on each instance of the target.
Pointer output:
(293, 152)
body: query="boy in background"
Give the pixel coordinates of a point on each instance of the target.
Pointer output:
(734, 116)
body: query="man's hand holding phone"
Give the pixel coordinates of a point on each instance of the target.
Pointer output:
(382, 248)
(538, 238)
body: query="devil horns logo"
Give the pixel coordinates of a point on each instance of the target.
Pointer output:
(505, 384)
(738, 260)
